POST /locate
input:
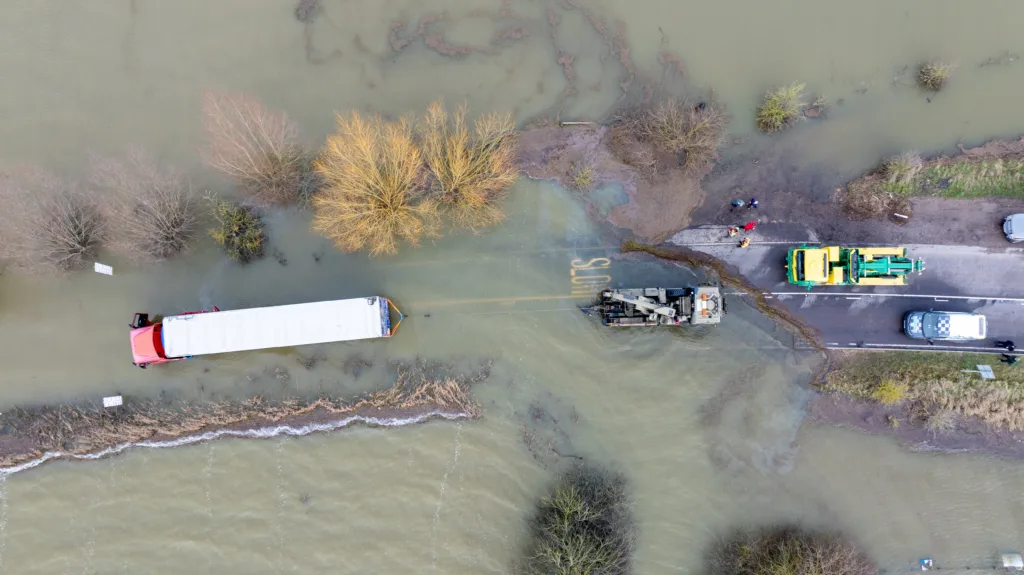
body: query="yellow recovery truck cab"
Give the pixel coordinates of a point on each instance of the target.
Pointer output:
(810, 266)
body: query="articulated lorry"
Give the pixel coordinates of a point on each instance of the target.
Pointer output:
(658, 306)
(811, 266)
(214, 331)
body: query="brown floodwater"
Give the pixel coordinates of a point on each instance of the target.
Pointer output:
(704, 423)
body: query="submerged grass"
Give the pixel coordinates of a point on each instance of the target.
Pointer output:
(88, 428)
(239, 231)
(934, 75)
(934, 384)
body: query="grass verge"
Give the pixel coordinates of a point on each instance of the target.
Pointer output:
(933, 385)
(960, 177)
(787, 550)
(583, 527)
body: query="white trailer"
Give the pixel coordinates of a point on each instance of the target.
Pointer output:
(209, 332)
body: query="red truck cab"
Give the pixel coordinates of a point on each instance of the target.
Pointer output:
(148, 342)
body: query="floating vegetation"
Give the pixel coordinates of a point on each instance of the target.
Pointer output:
(933, 76)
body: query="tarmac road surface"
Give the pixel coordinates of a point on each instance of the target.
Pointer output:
(956, 278)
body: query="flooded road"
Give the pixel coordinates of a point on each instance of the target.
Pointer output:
(704, 423)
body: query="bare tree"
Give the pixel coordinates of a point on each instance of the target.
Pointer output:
(152, 209)
(47, 224)
(256, 146)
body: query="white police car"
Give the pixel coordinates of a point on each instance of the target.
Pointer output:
(945, 325)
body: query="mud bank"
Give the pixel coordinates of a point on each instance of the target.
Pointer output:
(32, 436)
(967, 435)
(658, 204)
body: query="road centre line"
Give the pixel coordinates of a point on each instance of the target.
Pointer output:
(910, 295)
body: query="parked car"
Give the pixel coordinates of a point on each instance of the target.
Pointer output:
(1013, 227)
(945, 325)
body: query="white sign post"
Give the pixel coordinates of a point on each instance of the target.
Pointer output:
(103, 269)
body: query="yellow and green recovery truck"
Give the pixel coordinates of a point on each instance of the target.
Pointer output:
(811, 266)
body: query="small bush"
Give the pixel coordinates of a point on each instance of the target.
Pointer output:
(373, 182)
(901, 170)
(933, 75)
(889, 392)
(471, 171)
(152, 210)
(624, 145)
(787, 550)
(257, 147)
(48, 225)
(239, 230)
(940, 422)
(585, 527)
(582, 175)
(781, 108)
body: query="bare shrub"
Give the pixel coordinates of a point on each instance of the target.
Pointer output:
(694, 130)
(374, 180)
(47, 224)
(257, 147)
(787, 550)
(472, 170)
(584, 527)
(152, 210)
(625, 146)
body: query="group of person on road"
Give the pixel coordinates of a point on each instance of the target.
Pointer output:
(749, 226)
(1009, 346)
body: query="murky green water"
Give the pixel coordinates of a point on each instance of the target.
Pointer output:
(704, 424)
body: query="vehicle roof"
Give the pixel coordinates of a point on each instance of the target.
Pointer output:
(278, 326)
(815, 266)
(955, 324)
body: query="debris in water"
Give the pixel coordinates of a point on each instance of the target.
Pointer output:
(307, 11)
(103, 269)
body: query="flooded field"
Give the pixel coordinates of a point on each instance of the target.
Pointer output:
(704, 423)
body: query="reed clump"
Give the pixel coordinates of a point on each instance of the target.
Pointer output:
(374, 187)
(581, 175)
(933, 76)
(787, 550)
(934, 383)
(89, 428)
(47, 224)
(471, 169)
(239, 231)
(257, 147)
(152, 210)
(781, 108)
(583, 527)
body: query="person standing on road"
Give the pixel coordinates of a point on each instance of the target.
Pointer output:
(737, 204)
(749, 226)
(753, 204)
(745, 242)
(1007, 345)
(1009, 359)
